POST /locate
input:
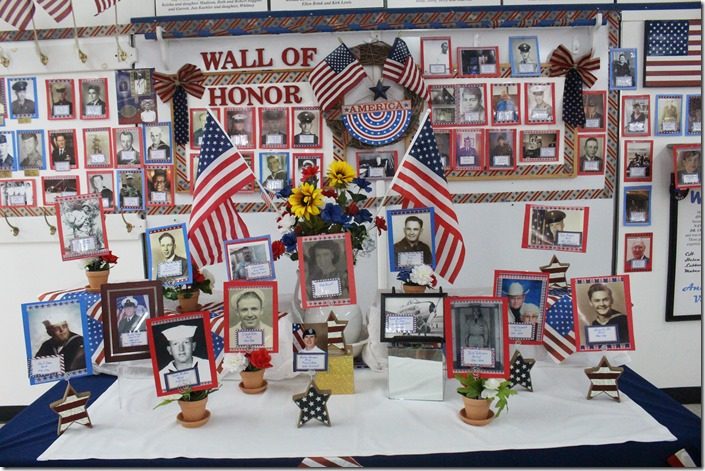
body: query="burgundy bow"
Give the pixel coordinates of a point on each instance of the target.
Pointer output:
(562, 62)
(189, 77)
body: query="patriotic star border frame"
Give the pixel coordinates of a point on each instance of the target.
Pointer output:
(232, 291)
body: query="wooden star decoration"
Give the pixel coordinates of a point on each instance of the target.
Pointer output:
(336, 336)
(520, 371)
(313, 404)
(72, 408)
(556, 273)
(380, 90)
(603, 379)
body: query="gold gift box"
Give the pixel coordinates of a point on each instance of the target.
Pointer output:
(339, 378)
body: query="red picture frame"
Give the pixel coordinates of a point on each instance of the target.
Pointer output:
(465, 97)
(70, 149)
(94, 106)
(478, 61)
(259, 287)
(197, 122)
(133, 156)
(631, 121)
(585, 165)
(274, 129)
(62, 182)
(443, 105)
(638, 160)
(597, 122)
(193, 168)
(156, 197)
(304, 160)
(251, 186)
(430, 58)
(11, 196)
(547, 113)
(685, 177)
(510, 112)
(533, 288)
(75, 241)
(302, 116)
(446, 147)
(529, 147)
(95, 143)
(638, 251)
(497, 158)
(462, 149)
(108, 176)
(65, 105)
(244, 137)
(543, 229)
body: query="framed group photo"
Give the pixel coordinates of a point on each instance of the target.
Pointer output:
(638, 157)
(687, 166)
(18, 193)
(411, 238)
(168, 254)
(97, 148)
(251, 315)
(539, 146)
(136, 96)
(563, 228)
(443, 105)
(478, 61)
(637, 205)
(81, 226)
(326, 272)
(250, 258)
(526, 294)
(61, 100)
(638, 251)
(412, 317)
(623, 68)
(436, 57)
(524, 56)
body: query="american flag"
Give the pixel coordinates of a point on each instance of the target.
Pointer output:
(559, 331)
(329, 462)
(420, 182)
(672, 50)
(298, 341)
(102, 5)
(400, 67)
(57, 9)
(222, 172)
(334, 76)
(17, 12)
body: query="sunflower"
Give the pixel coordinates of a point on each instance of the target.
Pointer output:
(306, 200)
(340, 174)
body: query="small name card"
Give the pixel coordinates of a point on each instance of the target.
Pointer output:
(94, 110)
(398, 323)
(592, 165)
(258, 270)
(169, 269)
(637, 216)
(97, 159)
(548, 152)
(306, 138)
(468, 160)
(521, 331)
(624, 81)
(601, 334)
(133, 339)
(44, 366)
(159, 197)
(637, 127)
(83, 244)
(409, 259)
(61, 110)
(637, 172)
(505, 116)
(638, 264)
(502, 161)
(473, 116)
(527, 68)
(326, 288)
(571, 239)
(310, 361)
(592, 123)
(250, 338)
(158, 154)
(690, 178)
(376, 172)
(477, 357)
(274, 139)
(437, 69)
(131, 202)
(181, 378)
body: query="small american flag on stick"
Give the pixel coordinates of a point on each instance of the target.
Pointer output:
(335, 76)
(17, 12)
(401, 68)
(57, 9)
(673, 53)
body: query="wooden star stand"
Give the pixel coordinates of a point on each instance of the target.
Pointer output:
(313, 404)
(72, 409)
(603, 379)
(520, 371)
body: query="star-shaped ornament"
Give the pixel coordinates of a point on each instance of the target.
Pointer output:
(313, 404)
(556, 273)
(336, 337)
(71, 408)
(603, 379)
(380, 90)
(520, 371)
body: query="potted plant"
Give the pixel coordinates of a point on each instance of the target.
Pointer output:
(479, 393)
(193, 406)
(416, 279)
(98, 270)
(251, 366)
(187, 295)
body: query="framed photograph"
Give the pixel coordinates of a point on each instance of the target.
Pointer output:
(526, 294)
(168, 254)
(193, 170)
(638, 158)
(540, 98)
(693, 115)
(32, 153)
(197, 123)
(436, 57)
(241, 127)
(81, 227)
(636, 116)
(602, 311)
(443, 105)
(471, 104)
(595, 107)
(273, 126)
(469, 149)
(250, 259)
(249, 158)
(592, 154)
(687, 165)
(160, 185)
(668, 115)
(445, 149)
(128, 146)
(637, 205)
(8, 150)
(376, 164)
(62, 145)
(274, 170)
(539, 146)
(502, 149)
(23, 101)
(101, 182)
(479, 61)
(307, 126)
(157, 143)
(411, 238)
(506, 99)
(307, 161)
(136, 96)
(94, 98)
(563, 228)
(18, 193)
(326, 270)
(310, 346)
(251, 316)
(476, 336)
(54, 186)
(97, 148)
(638, 251)
(3, 103)
(131, 185)
(412, 317)
(181, 349)
(54, 340)
(623, 68)
(126, 308)
(60, 99)
(524, 56)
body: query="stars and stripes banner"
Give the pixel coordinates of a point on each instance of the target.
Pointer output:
(558, 331)
(18, 13)
(102, 5)
(335, 76)
(673, 53)
(335, 334)
(378, 127)
(298, 334)
(57, 9)
(222, 172)
(401, 68)
(420, 182)
(329, 462)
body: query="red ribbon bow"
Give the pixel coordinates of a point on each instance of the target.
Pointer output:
(562, 62)
(189, 77)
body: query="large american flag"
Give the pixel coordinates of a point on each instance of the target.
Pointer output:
(400, 67)
(57, 9)
(420, 182)
(559, 331)
(222, 172)
(335, 75)
(17, 12)
(672, 50)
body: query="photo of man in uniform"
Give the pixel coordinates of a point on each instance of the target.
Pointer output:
(436, 57)
(306, 137)
(158, 149)
(22, 105)
(94, 104)
(167, 264)
(238, 130)
(130, 191)
(98, 185)
(411, 250)
(591, 158)
(525, 56)
(594, 117)
(63, 149)
(276, 174)
(30, 154)
(61, 106)
(181, 348)
(501, 153)
(639, 259)
(64, 342)
(601, 312)
(7, 160)
(540, 110)
(273, 127)
(126, 152)
(132, 315)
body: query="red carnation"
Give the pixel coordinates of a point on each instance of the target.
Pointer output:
(110, 258)
(309, 172)
(278, 249)
(352, 209)
(329, 192)
(380, 224)
(198, 277)
(260, 359)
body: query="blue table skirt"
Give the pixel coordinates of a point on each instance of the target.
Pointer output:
(32, 431)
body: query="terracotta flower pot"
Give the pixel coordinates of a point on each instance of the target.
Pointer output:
(193, 411)
(413, 289)
(477, 409)
(96, 279)
(252, 380)
(190, 303)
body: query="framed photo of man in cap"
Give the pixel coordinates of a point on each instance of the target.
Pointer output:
(563, 228)
(157, 143)
(411, 238)
(307, 126)
(97, 148)
(326, 272)
(469, 149)
(273, 128)
(637, 205)
(502, 146)
(539, 146)
(524, 56)
(436, 57)
(310, 346)
(60, 99)
(94, 98)
(595, 107)
(412, 317)
(526, 294)
(126, 308)
(539, 103)
(168, 255)
(240, 125)
(250, 258)
(81, 226)
(32, 153)
(18, 193)
(130, 185)
(623, 68)
(8, 151)
(181, 349)
(160, 185)
(274, 170)
(592, 154)
(54, 334)
(62, 145)
(636, 116)
(638, 156)
(251, 316)
(23, 103)
(305, 163)
(54, 186)
(506, 102)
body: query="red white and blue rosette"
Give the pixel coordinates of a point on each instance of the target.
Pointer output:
(377, 124)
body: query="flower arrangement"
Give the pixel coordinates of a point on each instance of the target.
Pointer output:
(312, 208)
(100, 263)
(419, 275)
(485, 388)
(187, 395)
(202, 281)
(251, 361)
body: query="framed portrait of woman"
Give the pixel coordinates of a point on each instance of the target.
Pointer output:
(326, 270)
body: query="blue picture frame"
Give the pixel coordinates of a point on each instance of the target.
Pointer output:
(169, 151)
(396, 214)
(186, 277)
(690, 128)
(69, 310)
(274, 184)
(41, 147)
(617, 69)
(517, 46)
(636, 207)
(118, 189)
(245, 242)
(11, 142)
(663, 116)
(17, 115)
